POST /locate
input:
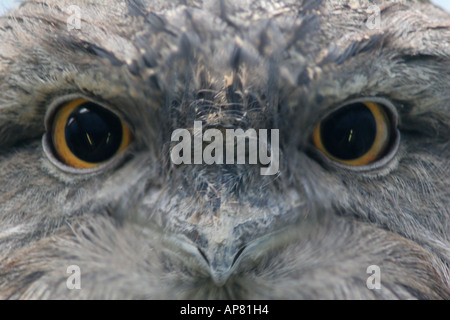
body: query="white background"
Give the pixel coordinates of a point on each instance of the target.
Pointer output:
(5, 4)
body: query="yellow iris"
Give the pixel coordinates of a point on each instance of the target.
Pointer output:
(378, 147)
(60, 142)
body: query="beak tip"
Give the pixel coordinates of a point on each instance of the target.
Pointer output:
(220, 277)
(221, 262)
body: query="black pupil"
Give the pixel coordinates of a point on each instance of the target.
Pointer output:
(349, 133)
(93, 134)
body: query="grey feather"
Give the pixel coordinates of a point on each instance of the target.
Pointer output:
(143, 228)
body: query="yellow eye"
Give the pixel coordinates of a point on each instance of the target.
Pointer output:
(357, 134)
(85, 134)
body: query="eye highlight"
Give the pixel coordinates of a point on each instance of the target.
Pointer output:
(85, 134)
(357, 134)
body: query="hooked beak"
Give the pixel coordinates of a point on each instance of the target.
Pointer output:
(222, 260)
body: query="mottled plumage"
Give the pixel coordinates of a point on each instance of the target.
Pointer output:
(142, 227)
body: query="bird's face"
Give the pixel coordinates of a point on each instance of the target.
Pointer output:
(357, 111)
